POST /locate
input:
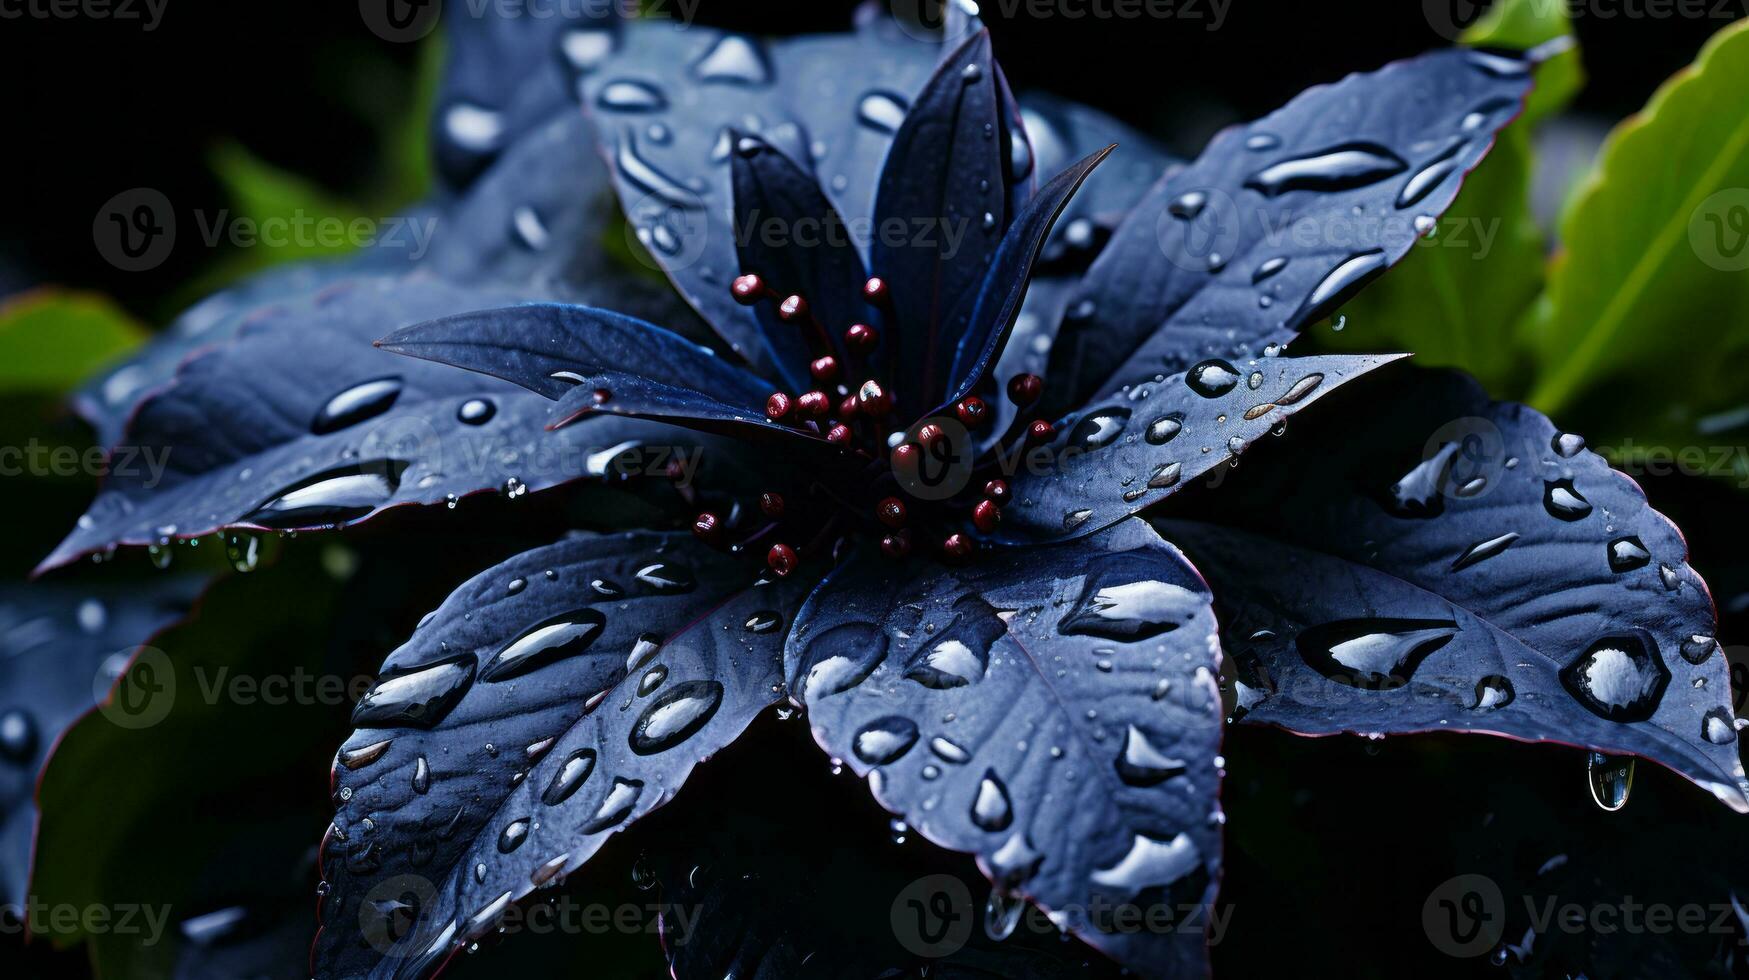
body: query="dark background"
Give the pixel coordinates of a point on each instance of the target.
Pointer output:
(95, 107)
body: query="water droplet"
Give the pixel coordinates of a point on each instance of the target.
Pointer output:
(1258, 142)
(332, 497)
(616, 806)
(764, 621)
(1342, 282)
(472, 127)
(1339, 168)
(1429, 176)
(1075, 518)
(675, 716)
(648, 178)
(585, 48)
(418, 698)
(356, 758)
(1002, 914)
(1716, 727)
(1627, 554)
(1697, 648)
(1164, 475)
(960, 653)
(948, 751)
(572, 773)
(1567, 445)
(529, 229)
(17, 736)
(1610, 779)
(1163, 429)
(513, 836)
(1562, 501)
(1483, 550)
(1374, 654)
(421, 776)
(667, 577)
(1212, 378)
(1498, 65)
(1118, 603)
(243, 550)
(734, 60)
(1188, 205)
(630, 95)
(1141, 764)
(558, 638)
(1620, 678)
(1492, 692)
(1099, 429)
(885, 740)
(991, 810)
(1150, 863)
(882, 111)
(841, 658)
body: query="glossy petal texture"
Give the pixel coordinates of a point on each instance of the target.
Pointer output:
(1429, 560)
(1052, 710)
(1279, 220)
(546, 704)
(664, 101)
(60, 648)
(596, 362)
(791, 236)
(1130, 451)
(999, 297)
(300, 423)
(945, 182)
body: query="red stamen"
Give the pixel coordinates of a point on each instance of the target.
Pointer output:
(824, 369)
(876, 292)
(891, 512)
(986, 516)
(874, 399)
(839, 434)
(708, 528)
(748, 289)
(957, 546)
(997, 490)
(777, 406)
(861, 338)
(848, 406)
(792, 309)
(1024, 389)
(905, 458)
(771, 503)
(931, 434)
(897, 544)
(814, 403)
(781, 559)
(972, 412)
(1040, 432)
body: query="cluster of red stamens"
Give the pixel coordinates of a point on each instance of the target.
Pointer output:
(855, 414)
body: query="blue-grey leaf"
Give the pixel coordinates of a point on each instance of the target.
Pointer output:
(1431, 560)
(1280, 220)
(789, 234)
(301, 423)
(61, 647)
(1131, 450)
(547, 703)
(1052, 710)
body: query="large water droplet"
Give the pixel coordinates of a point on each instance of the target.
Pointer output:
(572, 772)
(417, 698)
(513, 836)
(1611, 778)
(991, 810)
(644, 175)
(1212, 378)
(1341, 283)
(1099, 429)
(1420, 492)
(882, 111)
(1619, 678)
(959, 654)
(616, 806)
(1422, 183)
(1117, 603)
(1492, 692)
(1163, 429)
(841, 658)
(332, 497)
(1716, 727)
(735, 60)
(1697, 648)
(675, 716)
(631, 95)
(364, 400)
(1141, 764)
(885, 739)
(1483, 550)
(1564, 502)
(1339, 168)
(562, 636)
(1627, 554)
(1373, 654)
(1150, 863)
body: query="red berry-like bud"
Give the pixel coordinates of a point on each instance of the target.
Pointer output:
(972, 412)
(708, 528)
(930, 434)
(1024, 389)
(601, 396)
(814, 403)
(848, 406)
(876, 292)
(839, 434)
(777, 406)
(748, 289)
(861, 338)
(897, 544)
(781, 559)
(986, 516)
(771, 503)
(874, 399)
(997, 490)
(891, 512)
(1040, 432)
(792, 308)
(957, 546)
(824, 369)
(905, 457)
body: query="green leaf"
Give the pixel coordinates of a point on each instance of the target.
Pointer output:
(1521, 25)
(1652, 291)
(50, 340)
